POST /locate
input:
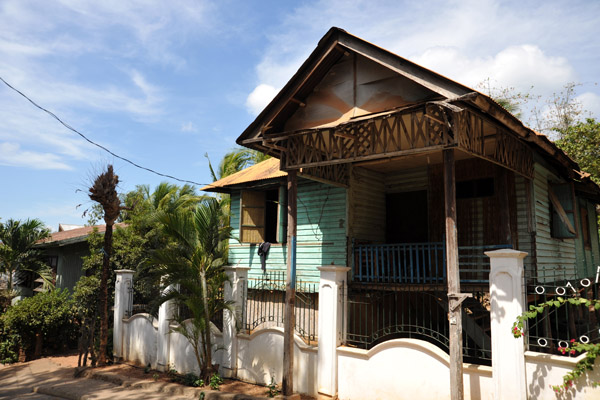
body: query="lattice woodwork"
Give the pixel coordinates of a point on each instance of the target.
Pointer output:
(419, 129)
(412, 130)
(338, 173)
(494, 143)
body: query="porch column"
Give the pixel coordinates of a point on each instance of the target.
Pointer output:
(234, 292)
(331, 309)
(122, 309)
(166, 314)
(455, 298)
(506, 299)
(287, 384)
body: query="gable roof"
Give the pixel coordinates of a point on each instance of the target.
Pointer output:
(71, 236)
(332, 47)
(263, 171)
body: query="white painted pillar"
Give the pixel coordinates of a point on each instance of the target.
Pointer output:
(166, 313)
(331, 312)
(122, 308)
(234, 291)
(506, 292)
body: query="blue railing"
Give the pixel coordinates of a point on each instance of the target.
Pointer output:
(418, 263)
(400, 263)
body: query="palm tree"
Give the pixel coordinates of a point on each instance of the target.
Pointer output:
(17, 252)
(195, 267)
(236, 160)
(104, 191)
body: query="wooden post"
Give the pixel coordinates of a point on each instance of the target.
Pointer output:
(455, 298)
(290, 289)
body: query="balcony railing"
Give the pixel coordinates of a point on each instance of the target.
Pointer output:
(418, 263)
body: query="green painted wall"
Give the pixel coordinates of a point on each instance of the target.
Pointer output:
(321, 233)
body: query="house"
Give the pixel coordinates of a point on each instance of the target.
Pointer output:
(64, 252)
(374, 139)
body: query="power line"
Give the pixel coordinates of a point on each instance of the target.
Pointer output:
(96, 144)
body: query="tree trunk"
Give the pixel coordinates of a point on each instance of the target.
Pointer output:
(207, 338)
(104, 295)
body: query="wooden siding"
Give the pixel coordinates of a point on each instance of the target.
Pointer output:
(367, 206)
(406, 181)
(588, 257)
(68, 270)
(552, 254)
(525, 226)
(321, 233)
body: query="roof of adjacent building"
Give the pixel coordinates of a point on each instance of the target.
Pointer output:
(263, 171)
(73, 235)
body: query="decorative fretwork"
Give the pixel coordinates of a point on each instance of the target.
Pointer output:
(418, 129)
(490, 141)
(337, 173)
(413, 130)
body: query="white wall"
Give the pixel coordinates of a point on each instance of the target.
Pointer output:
(405, 369)
(260, 358)
(139, 340)
(545, 370)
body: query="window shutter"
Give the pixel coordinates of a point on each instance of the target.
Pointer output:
(253, 217)
(563, 210)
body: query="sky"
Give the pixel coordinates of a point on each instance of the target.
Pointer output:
(162, 83)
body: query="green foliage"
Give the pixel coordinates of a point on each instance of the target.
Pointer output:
(581, 142)
(273, 390)
(592, 350)
(215, 381)
(50, 314)
(17, 253)
(194, 265)
(191, 379)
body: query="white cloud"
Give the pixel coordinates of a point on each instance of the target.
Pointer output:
(12, 155)
(590, 102)
(188, 127)
(260, 97)
(520, 67)
(519, 45)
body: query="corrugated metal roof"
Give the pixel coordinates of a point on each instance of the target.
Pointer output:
(74, 235)
(268, 169)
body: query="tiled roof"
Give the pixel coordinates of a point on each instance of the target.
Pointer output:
(73, 234)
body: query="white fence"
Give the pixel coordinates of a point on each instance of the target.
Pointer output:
(398, 369)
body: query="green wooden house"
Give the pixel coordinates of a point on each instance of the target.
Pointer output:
(374, 140)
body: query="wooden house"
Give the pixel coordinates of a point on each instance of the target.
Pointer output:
(407, 177)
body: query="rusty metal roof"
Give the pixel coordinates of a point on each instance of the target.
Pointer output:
(73, 235)
(268, 169)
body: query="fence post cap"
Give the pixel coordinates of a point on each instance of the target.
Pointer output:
(236, 268)
(506, 253)
(124, 271)
(333, 268)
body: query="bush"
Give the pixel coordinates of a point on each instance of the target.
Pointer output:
(50, 314)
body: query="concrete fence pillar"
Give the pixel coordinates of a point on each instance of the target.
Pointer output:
(506, 298)
(122, 308)
(234, 292)
(331, 312)
(166, 314)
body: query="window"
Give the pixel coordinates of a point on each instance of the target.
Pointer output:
(562, 211)
(475, 188)
(260, 217)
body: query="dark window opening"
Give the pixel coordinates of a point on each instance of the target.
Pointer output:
(407, 217)
(475, 188)
(271, 215)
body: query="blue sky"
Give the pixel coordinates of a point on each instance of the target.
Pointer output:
(164, 82)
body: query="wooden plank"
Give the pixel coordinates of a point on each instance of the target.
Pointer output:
(455, 309)
(290, 289)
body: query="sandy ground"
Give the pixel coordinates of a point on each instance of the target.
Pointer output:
(134, 372)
